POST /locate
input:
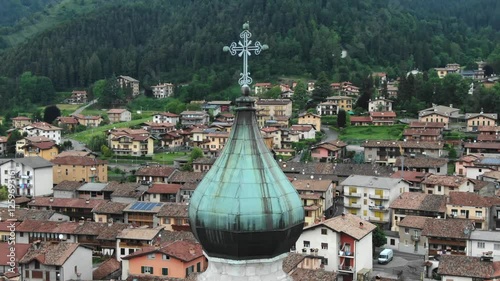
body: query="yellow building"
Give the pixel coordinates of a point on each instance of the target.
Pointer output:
(474, 120)
(273, 109)
(37, 146)
(342, 102)
(20, 121)
(78, 168)
(135, 142)
(88, 121)
(434, 117)
(468, 205)
(310, 118)
(313, 208)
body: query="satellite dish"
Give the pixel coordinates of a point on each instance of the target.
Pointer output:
(61, 237)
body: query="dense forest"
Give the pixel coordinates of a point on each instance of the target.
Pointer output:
(181, 41)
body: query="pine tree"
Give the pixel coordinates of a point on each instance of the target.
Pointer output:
(322, 89)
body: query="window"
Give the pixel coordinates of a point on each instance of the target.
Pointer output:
(324, 231)
(151, 256)
(164, 271)
(189, 270)
(36, 264)
(454, 212)
(407, 230)
(479, 214)
(307, 244)
(462, 212)
(166, 221)
(147, 269)
(324, 246)
(393, 241)
(324, 261)
(165, 257)
(480, 245)
(122, 251)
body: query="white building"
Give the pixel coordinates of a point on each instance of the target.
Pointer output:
(130, 240)
(481, 241)
(31, 176)
(162, 91)
(380, 105)
(45, 130)
(166, 117)
(370, 197)
(343, 243)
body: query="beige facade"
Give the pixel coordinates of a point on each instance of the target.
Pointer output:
(78, 168)
(312, 119)
(274, 107)
(481, 119)
(435, 117)
(20, 121)
(342, 102)
(128, 145)
(127, 81)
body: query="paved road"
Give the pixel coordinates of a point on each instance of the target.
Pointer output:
(80, 109)
(411, 266)
(330, 135)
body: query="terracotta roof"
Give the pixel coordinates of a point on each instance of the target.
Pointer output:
(139, 233)
(102, 230)
(403, 144)
(68, 185)
(420, 201)
(488, 145)
(314, 168)
(174, 210)
(414, 222)
(467, 266)
(184, 177)
(37, 139)
(450, 181)
(421, 132)
(19, 118)
(28, 214)
(422, 162)
(87, 117)
(273, 102)
(167, 114)
(50, 253)
(302, 274)
(469, 158)
(292, 261)
(65, 202)
(189, 186)
(379, 114)
(439, 125)
(365, 169)
(4, 225)
(172, 236)
(312, 185)
(348, 224)
(411, 176)
(483, 137)
(78, 161)
(44, 126)
(21, 250)
(468, 199)
(310, 195)
(447, 228)
(301, 128)
(65, 227)
(105, 269)
(360, 119)
(115, 208)
(164, 188)
(183, 250)
(492, 116)
(161, 171)
(75, 153)
(41, 145)
(327, 146)
(270, 129)
(116, 111)
(126, 189)
(22, 199)
(67, 120)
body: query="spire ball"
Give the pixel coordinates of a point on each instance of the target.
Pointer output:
(245, 90)
(246, 26)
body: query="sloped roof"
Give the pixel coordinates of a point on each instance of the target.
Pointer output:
(183, 250)
(50, 253)
(68, 185)
(110, 207)
(458, 198)
(422, 162)
(174, 210)
(371, 181)
(450, 181)
(447, 228)
(78, 161)
(414, 222)
(302, 274)
(420, 201)
(467, 266)
(348, 224)
(365, 169)
(106, 268)
(66, 202)
(164, 188)
(312, 185)
(159, 171)
(403, 144)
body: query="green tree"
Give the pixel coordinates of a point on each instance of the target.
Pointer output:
(322, 89)
(4, 193)
(195, 154)
(106, 152)
(96, 142)
(12, 140)
(341, 119)
(300, 97)
(50, 113)
(273, 93)
(378, 237)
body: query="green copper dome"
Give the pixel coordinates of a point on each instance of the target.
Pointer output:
(245, 207)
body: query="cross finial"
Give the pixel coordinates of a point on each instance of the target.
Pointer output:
(244, 49)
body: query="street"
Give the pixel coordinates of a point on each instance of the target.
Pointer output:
(411, 266)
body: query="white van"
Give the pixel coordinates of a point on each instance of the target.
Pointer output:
(385, 256)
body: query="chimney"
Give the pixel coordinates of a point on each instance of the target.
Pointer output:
(80, 222)
(343, 216)
(87, 201)
(51, 199)
(361, 225)
(36, 244)
(110, 221)
(191, 251)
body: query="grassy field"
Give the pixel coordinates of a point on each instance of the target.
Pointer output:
(356, 134)
(168, 157)
(85, 136)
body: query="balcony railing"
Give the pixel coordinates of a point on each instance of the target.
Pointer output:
(379, 220)
(347, 268)
(379, 208)
(415, 237)
(353, 195)
(354, 206)
(378, 197)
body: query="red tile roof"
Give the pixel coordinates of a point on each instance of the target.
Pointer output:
(47, 226)
(182, 250)
(468, 199)
(50, 253)
(159, 171)
(378, 114)
(116, 111)
(164, 188)
(106, 268)
(450, 181)
(467, 266)
(447, 228)
(78, 161)
(65, 202)
(361, 119)
(20, 250)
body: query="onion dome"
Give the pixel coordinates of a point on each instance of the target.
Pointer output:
(245, 207)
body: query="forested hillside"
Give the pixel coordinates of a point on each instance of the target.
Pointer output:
(12, 11)
(178, 40)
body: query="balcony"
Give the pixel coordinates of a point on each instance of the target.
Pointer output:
(358, 195)
(353, 206)
(415, 238)
(379, 208)
(378, 220)
(346, 268)
(378, 197)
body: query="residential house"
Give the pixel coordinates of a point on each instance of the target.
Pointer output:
(431, 135)
(273, 109)
(342, 102)
(443, 184)
(211, 109)
(116, 115)
(92, 190)
(6, 268)
(450, 68)
(439, 113)
(74, 208)
(162, 91)
(172, 139)
(56, 261)
(392, 89)
(474, 120)
(162, 192)
(317, 196)
(427, 125)
(20, 122)
(484, 241)
(203, 164)
(481, 166)
(67, 123)
(310, 119)
(107, 270)
(288, 138)
(224, 105)
(124, 192)
(109, 212)
(225, 118)
(414, 178)
(31, 176)
(88, 120)
(158, 129)
(305, 131)
(327, 108)
(370, 196)
(174, 216)
(361, 120)
(166, 117)
(344, 170)
(488, 149)
(100, 237)
(67, 189)
(341, 243)
(6, 228)
(190, 118)
(134, 142)
(142, 213)
(130, 240)
(383, 118)
(43, 129)
(381, 104)
(37, 146)
(78, 97)
(417, 204)
(437, 166)
(214, 143)
(153, 174)
(274, 135)
(173, 260)
(468, 205)
(261, 88)
(410, 235)
(468, 268)
(387, 152)
(30, 231)
(3, 145)
(329, 151)
(129, 82)
(79, 168)
(345, 89)
(447, 236)
(464, 162)
(182, 177)
(488, 133)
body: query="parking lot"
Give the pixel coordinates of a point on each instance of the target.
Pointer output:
(405, 265)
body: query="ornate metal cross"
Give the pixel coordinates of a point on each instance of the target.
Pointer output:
(244, 50)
